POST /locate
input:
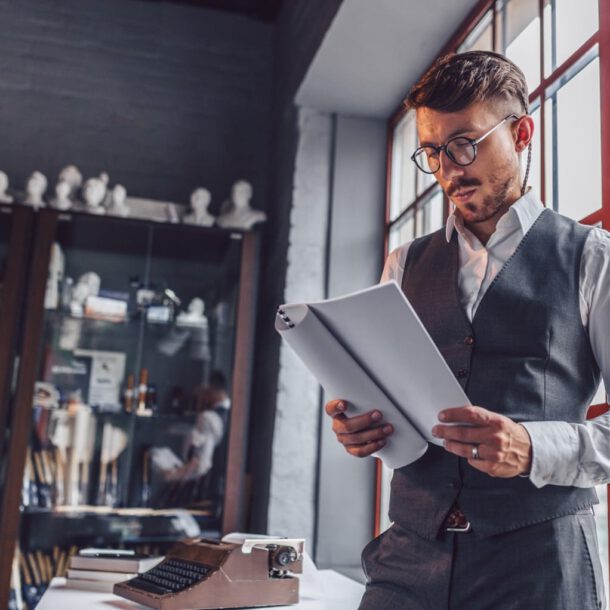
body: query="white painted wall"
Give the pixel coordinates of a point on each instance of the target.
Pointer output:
(295, 439)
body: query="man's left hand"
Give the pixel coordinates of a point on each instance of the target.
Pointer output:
(503, 446)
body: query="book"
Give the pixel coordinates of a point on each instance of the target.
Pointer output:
(100, 575)
(132, 564)
(90, 585)
(370, 349)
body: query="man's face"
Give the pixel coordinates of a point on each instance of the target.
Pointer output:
(486, 187)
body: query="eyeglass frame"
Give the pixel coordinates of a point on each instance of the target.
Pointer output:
(474, 142)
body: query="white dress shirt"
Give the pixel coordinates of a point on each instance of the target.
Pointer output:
(562, 453)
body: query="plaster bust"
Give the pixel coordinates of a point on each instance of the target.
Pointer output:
(94, 192)
(88, 285)
(119, 205)
(62, 199)
(200, 200)
(73, 177)
(34, 190)
(4, 196)
(236, 212)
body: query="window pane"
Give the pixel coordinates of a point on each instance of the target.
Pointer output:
(403, 169)
(534, 177)
(481, 37)
(424, 181)
(550, 153)
(573, 115)
(419, 221)
(601, 520)
(433, 212)
(568, 24)
(403, 231)
(519, 28)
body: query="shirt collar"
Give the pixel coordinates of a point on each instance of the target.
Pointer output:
(525, 211)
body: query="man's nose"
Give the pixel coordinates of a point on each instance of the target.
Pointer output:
(448, 169)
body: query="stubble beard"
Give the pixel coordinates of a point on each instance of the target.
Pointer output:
(492, 205)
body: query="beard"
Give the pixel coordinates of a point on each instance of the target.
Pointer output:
(494, 204)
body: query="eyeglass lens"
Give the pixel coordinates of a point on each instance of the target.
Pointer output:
(460, 150)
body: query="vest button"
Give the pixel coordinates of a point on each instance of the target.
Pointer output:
(461, 373)
(455, 484)
(469, 340)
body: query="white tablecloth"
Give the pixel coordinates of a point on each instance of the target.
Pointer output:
(319, 590)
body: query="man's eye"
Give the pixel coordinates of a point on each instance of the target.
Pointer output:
(460, 144)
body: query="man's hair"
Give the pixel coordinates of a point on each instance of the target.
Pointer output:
(455, 81)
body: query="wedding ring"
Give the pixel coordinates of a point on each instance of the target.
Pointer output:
(475, 452)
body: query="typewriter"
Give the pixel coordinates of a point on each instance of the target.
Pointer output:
(204, 574)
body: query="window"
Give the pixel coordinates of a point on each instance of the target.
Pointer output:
(561, 45)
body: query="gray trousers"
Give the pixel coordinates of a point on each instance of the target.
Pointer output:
(548, 566)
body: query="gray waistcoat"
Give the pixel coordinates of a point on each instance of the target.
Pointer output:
(525, 355)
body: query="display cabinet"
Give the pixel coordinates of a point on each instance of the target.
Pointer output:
(125, 387)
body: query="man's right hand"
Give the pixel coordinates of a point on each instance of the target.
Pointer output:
(361, 435)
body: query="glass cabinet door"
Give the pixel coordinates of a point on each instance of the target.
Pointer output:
(133, 393)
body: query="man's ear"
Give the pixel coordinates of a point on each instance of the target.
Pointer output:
(524, 133)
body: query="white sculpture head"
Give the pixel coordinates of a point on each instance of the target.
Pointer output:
(94, 192)
(105, 178)
(88, 285)
(35, 188)
(196, 307)
(241, 193)
(4, 196)
(200, 200)
(71, 175)
(119, 195)
(62, 196)
(62, 189)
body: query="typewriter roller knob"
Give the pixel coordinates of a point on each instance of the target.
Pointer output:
(285, 555)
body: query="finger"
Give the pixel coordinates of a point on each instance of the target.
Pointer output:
(463, 434)
(364, 450)
(335, 407)
(468, 415)
(464, 450)
(346, 425)
(372, 434)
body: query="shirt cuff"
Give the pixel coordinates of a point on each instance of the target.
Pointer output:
(554, 452)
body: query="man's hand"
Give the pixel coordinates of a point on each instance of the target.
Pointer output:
(361, 435)
(504, 447)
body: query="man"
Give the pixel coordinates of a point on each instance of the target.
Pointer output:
(517, 298)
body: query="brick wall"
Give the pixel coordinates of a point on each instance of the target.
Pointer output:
(164, 97)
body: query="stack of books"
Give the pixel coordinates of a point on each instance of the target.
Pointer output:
(101, 569)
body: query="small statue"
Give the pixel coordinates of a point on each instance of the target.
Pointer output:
(94, 192)
(88, 285)
(34, 190)
(62, 199)
(73, 177)
(194, 316)
(119, 206)
(4, 196)
(200, 200)
(236, 212)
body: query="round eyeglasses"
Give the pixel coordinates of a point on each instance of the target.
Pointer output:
(461, 150)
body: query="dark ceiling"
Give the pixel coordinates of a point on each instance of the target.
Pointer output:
(261, 10)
